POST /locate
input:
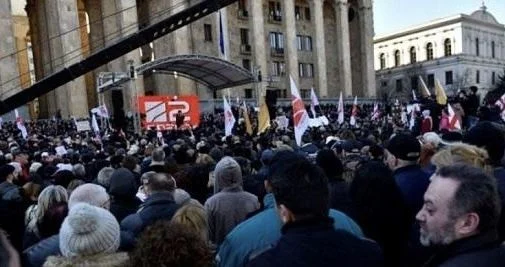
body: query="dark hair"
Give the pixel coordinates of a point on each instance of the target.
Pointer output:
(171, 244)
(477, 192)
(378, 207)
(130, 162)
(299, 185)
(161, 182)
(53, 219)
(330, 164)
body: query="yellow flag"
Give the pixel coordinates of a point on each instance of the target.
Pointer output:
(263, 117)
(440, 93)
(248, 126)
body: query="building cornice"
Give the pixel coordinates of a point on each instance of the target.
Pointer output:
(437, 24)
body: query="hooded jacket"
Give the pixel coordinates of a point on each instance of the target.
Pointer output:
(230, 205)
(123, 190)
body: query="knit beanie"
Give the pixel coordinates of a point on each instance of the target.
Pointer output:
(88, 230)
(227, 174)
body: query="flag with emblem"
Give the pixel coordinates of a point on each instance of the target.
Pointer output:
(229, 119)
(300, 115)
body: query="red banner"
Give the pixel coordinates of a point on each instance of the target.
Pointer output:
(160, 111)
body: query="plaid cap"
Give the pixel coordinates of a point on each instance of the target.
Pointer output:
(405, 147)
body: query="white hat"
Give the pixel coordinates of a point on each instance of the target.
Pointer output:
(89, 230)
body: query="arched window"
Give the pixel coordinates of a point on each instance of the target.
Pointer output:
(429, 51)
(447, 47)
(397, 58)
(413, 57)
(492, 49)
(382, 59)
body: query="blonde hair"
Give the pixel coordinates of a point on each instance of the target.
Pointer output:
(193, 215)
(50, 196)
(461, 153)
(204, 159)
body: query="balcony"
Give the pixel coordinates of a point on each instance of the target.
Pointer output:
(277, 51)
(243, 14)
(275, 17)
(245, 49)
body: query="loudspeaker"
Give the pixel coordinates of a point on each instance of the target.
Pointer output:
(117, 107)
(271, 101)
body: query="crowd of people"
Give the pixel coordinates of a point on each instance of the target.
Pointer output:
(377, 193)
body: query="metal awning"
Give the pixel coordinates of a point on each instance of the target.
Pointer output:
(213, 72)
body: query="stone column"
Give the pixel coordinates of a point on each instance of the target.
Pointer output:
(258, 38)
(59, 45)
(183, 46)
(320, 49)
(367, 58)
(290, 49)
(343, 48)
(120, 20)
(9, 75)
(164, 84)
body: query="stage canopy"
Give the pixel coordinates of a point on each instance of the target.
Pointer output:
(213, 72)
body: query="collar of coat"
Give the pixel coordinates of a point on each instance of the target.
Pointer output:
(308, 225)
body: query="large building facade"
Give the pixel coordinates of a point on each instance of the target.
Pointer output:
(324, 44)
(460, 51)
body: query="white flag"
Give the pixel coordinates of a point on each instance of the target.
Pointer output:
(414, 97)
(300, 115)
(94, 124)
(1, 122)
(101, 111)
(340, 109)
(20, 124)
(313, 102)
(454, 123)
(376, 113)
(354, 112)
(229, 119)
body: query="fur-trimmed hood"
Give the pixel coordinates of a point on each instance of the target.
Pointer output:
(101, 260)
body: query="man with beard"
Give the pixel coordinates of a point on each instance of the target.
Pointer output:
(459, 218)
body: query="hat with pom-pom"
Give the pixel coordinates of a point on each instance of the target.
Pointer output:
(89, 230)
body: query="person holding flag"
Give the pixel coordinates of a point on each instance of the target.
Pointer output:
(300, 116)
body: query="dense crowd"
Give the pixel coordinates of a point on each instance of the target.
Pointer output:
(377, 193)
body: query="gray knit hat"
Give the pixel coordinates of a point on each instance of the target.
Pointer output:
(88, 230)
(227, 174)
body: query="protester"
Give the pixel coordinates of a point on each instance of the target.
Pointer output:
(460, 218)
(89, 236)
(171, 244)
(230, 205)
(123, 188)
(308, 238)
(12, 206)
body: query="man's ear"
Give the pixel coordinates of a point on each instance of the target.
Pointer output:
(285, 214)
(467, 224)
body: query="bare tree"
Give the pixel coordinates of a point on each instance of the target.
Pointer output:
(390, 90)
(461, 82)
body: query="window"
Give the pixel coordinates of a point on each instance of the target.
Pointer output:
(308, 43)
(448, 77)
(306, 70)
(413, 83)
(304, 43)
(246, 63)
(248, 93)
(384, 83)
(277, 68)
(277, 40)
(399, 85)
(477, 46)
(493, 77)
(477, 76)
(397, 58)
(242, 4)
(207, 32)
(307, 13)
(429, 51)
(274, 11)
(492, 49)
(413, 56)
(447, 47)
(431, 80)
(244, 36)
(382, 60)
(298, 14)
(305, 93)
